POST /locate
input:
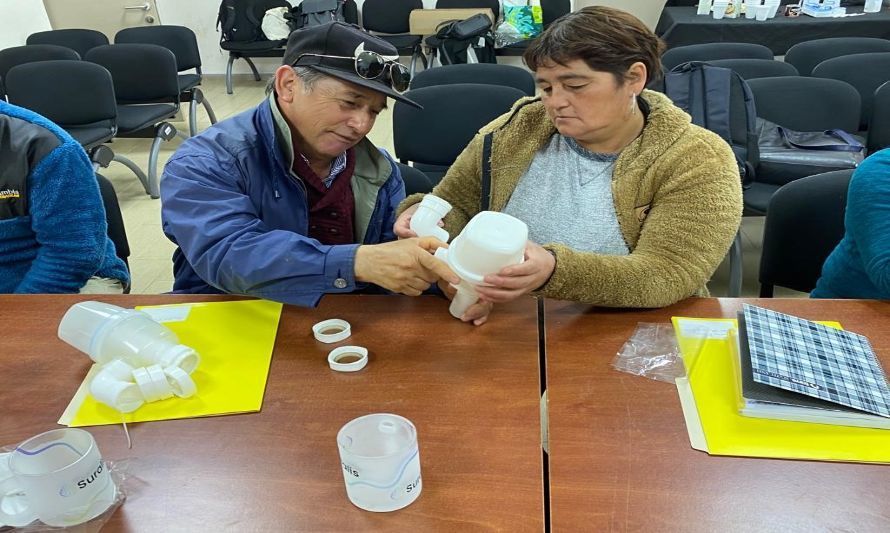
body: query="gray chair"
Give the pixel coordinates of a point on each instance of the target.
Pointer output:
(801, 104)
(481, 73)
(865, 72)
(713, 51)
(19, 55)
(879, 131)
(804, 223)
(388, 19)
(415, 180)
(116, 230)
(451, 116)
(806, 55)
(249, 49)
(76, 95)
(750, 69)
(77, 39)
(184, 45)
(146, 86)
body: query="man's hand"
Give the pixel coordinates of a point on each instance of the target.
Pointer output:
(515, 280)
(476, 313)
(402, 227)
(405, 266)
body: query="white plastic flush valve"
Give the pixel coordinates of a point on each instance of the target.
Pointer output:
(106, 332)
(488, 243)
(425, 221)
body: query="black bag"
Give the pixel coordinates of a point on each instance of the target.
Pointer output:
(242, 20)
(718, 99)
(475, 26)
(455, 37)
(826, 150)
(316, 12)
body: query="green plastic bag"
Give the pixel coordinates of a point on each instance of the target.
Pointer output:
(522, 20)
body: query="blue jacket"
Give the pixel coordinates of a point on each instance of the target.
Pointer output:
(859, 267)
(53, 230)
(240, 216)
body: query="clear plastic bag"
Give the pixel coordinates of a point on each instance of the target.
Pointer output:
(118, 472)
(651, 352)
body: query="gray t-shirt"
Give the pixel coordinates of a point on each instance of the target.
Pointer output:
(565, 197)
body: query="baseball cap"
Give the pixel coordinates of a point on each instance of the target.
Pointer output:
(307, 47)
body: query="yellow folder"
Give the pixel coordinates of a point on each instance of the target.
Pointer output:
(234, 340)
(710, 396)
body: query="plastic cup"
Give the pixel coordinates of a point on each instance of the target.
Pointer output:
(750, 10)
(425, 221)
(762, 12)
(380, 462)
(720, 9)
(106, 332)
(872, 6)
(62, 477)
(704, 7)
(773, 7)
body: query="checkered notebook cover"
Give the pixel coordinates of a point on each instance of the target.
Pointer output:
(801, 356)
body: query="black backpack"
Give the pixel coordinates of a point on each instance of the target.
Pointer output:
(720, 100)
(455, 37)
(317, 12)
(242, 20)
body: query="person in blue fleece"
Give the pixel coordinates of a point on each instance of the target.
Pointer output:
(859, 267)
(53, 231)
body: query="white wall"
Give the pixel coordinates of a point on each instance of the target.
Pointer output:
(19, 19)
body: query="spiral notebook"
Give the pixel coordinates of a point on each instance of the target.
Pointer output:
(791, 354)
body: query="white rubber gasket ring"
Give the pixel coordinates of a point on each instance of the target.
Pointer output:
(162, 387)
(320, 329)
(354, 366)
(182, 384)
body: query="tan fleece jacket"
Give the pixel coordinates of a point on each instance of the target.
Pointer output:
(677, 195)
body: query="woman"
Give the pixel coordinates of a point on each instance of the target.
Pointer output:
(859, 267)
(627, 203)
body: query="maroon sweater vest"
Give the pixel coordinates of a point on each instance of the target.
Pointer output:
(331, 211)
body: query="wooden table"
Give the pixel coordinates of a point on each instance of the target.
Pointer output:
(620, 458)
(473, 394)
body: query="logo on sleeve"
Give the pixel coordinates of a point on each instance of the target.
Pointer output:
(7, 194)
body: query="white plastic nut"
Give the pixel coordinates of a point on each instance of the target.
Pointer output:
(331, 331)
(181, 383)
(153, 383)
(348, 358)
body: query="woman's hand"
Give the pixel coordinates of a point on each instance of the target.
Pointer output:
(476, 313)
(516, 280)
(402, 227)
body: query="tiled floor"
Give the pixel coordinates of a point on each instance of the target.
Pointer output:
(150, 262)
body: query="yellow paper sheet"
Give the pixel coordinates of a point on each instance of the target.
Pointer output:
(713, 384)
(234, 340)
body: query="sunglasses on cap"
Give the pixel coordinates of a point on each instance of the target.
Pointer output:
(371, 65)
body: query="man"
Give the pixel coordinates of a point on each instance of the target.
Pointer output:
(53, 231)
(289, 201)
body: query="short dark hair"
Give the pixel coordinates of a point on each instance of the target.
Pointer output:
(607, 39)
